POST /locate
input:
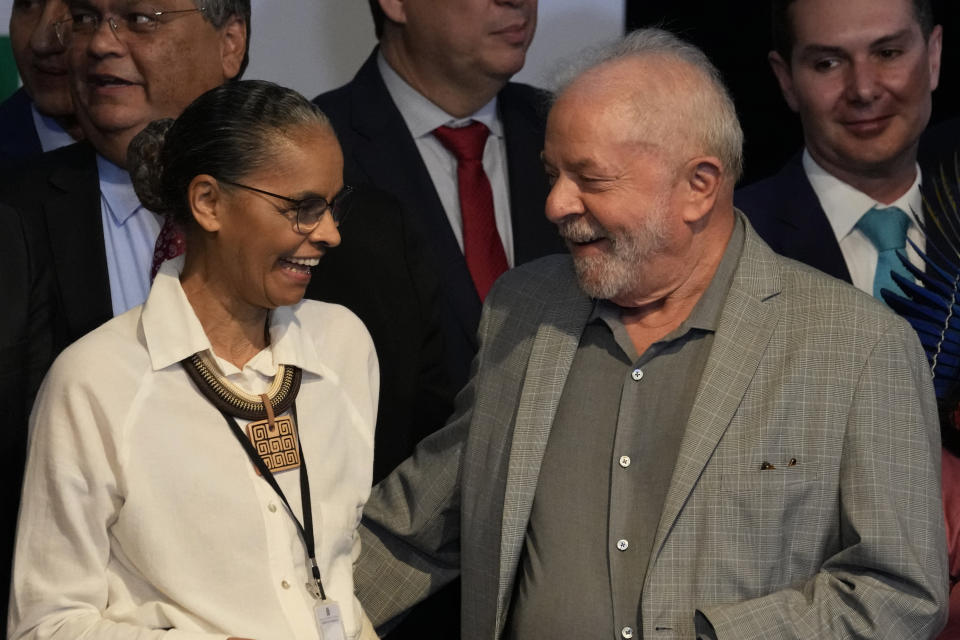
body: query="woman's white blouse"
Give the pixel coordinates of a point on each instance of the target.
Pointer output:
(141, 512)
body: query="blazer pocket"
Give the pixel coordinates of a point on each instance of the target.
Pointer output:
(782, 506)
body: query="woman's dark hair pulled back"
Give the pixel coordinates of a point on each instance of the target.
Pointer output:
(228, 132)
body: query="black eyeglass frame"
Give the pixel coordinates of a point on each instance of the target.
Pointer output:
(337, 211)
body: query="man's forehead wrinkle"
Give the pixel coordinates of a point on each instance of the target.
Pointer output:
(876, 40)
(902, 34)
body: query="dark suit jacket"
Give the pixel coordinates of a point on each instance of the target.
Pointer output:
(940, 147)
(379, 150)
(62, 190)
(27, 336)
(381, 273)
(785, 212)
(18, 135)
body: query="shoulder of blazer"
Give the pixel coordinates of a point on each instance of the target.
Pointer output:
(363, 105)
(776, 197)
(18, 134)
(70, 169)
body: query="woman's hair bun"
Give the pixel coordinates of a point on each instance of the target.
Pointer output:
(146, 166)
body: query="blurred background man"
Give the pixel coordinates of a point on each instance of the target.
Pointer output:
(432, 118)
(39, 116)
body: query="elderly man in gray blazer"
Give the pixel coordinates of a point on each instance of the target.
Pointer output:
(673, 432)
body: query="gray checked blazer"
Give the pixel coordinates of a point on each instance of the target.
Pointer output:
(845, 542)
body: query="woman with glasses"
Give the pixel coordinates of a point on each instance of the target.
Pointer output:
(198, 465)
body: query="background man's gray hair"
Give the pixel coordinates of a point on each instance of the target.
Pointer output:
(217, 12)
(716, 114)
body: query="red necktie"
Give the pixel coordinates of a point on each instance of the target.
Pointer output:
(170, 243)
(482, 246)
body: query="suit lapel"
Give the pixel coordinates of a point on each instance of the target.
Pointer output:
(19, 139)
(555, 343)
(746, 324)
(808, 236)
(388, 157)
(75, 228)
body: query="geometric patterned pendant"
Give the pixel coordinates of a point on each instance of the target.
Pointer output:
(277, 445)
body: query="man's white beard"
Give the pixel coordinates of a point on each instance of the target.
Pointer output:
(620, 268)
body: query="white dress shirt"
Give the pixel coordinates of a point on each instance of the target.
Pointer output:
(844, 205)
(129, 234)
(422, 117)
(142, 513)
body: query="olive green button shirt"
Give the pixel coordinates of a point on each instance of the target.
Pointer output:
(606, 470)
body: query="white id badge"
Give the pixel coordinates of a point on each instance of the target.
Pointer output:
(329, 621)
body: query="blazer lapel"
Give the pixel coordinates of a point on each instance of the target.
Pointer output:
(747, 322)
(75, 228)
(555, 343)
(388, 157)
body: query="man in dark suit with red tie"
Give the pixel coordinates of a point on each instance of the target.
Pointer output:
(432, 119)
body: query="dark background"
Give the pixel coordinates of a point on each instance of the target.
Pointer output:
(736, 37)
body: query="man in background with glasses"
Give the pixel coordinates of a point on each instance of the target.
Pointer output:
(39, 116)
(130, 63)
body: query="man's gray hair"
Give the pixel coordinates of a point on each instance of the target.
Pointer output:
(218, 11)
(716, 114)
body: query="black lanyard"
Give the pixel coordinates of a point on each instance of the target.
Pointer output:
(305, 529)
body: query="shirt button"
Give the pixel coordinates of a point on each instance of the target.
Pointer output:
(285, 584)
(624, 461)
(622, 545)
(627, 632)
(637, 374)
(272, 507)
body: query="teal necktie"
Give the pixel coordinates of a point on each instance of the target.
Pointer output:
(887, 230)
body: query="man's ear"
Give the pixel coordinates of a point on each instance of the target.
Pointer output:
(781, 69)
(396, 10)
(205, 198)
(233, 46)
(934, 48)
(704, 179)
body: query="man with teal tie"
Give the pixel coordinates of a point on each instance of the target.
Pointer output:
(860, 74)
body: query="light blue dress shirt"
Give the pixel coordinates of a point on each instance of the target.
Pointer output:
(129, 234)
(51, 134)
